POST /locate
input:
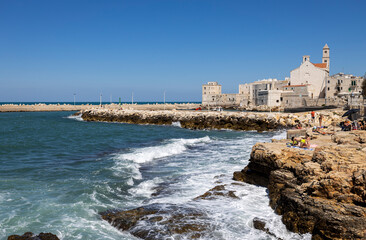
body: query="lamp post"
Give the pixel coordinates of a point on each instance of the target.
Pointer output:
(74, 98)
(164, 99)
(100, 100)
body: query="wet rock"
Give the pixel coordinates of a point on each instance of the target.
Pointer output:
(160, 221)
(31, 236)
(260, 224)
(218, 191)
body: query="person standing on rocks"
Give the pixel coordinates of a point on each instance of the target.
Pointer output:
(320, 120)
(313, 116)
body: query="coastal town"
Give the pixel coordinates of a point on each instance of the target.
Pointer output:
(309, 85)
(315, 176)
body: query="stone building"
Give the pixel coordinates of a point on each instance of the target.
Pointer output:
(210, 93)
(344, 86)
(296, 95)
(314, 74)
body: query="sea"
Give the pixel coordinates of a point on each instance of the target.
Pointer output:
(58, 172)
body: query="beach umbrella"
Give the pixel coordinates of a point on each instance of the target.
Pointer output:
(352, 114)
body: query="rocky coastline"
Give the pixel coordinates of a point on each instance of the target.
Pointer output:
(322, 192)
(243, 121)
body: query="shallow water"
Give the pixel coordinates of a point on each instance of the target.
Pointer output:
(57, 173)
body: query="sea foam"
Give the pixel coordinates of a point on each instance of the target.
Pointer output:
(173, 147)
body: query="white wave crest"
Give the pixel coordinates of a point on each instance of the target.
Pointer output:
(77, 117)
(174, 147)
(176, 124)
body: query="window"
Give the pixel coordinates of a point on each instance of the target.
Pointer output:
(325, 51)
(328, 89)
(325, 61)
(204, 88)
(328, 81)
(277, 100)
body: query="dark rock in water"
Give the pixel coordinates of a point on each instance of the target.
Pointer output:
(31, 236)
(218, 191)
(159, 221)
(261, 225)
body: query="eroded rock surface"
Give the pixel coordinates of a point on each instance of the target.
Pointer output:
(159, 221)
(322, 192)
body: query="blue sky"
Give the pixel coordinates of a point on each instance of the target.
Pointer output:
(51, 49)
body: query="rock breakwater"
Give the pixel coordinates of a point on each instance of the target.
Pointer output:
(322, 192)
(206, 120)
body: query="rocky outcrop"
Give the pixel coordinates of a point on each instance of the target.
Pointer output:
(160, 221)
(218, 191)
(205, 120)
(322, 192)
(31, 236)
(163, 221)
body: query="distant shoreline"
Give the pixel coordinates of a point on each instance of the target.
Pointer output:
(56, 107)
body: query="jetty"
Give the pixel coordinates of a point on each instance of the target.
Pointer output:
(234, 120)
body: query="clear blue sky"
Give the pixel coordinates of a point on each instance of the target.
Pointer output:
(51, 49)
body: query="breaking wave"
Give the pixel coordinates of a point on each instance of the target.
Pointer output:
(173, 147)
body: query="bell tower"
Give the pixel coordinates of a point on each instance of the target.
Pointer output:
(325, 58)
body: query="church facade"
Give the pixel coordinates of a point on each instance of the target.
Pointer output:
(313, 74)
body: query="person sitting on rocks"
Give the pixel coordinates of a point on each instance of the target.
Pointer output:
(295, 141)
(346, 126)
(305, 142)
(298, 126)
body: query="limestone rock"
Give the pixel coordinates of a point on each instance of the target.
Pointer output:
(322, 192)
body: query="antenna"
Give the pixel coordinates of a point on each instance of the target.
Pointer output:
(164, 99)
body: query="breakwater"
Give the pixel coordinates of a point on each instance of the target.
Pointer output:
(206, 120)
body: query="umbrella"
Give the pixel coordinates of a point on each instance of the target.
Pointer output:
(350, 112)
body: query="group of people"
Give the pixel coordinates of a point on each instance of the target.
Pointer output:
(321, 118)
(353, 125)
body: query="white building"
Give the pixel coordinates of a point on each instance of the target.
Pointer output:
(314, 74)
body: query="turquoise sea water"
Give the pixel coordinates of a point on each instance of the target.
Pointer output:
(57, 173)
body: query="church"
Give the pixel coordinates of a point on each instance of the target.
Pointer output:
(312, 75)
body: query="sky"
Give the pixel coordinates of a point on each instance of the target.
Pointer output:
(51, 50)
